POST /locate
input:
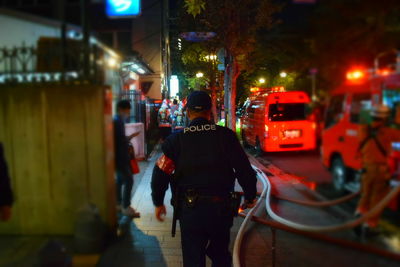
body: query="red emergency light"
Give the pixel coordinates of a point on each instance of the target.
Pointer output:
(355, 75)
(278, 89)
(255, 89)
(384, 72)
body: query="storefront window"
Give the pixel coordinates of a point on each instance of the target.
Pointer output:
(360, 108)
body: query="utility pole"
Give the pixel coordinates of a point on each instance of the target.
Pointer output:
(313, 74)
(86, 38)
(61, 14)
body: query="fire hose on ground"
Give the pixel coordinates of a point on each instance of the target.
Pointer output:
(302, 227)
(239, 237)
(332, 228)
(320, 203)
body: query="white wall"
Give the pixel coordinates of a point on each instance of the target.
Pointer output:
(14, 32)
(146, 38)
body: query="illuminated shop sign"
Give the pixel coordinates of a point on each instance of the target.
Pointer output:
(123, 8)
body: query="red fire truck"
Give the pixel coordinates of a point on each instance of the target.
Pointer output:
(349, 108)
(276, 120)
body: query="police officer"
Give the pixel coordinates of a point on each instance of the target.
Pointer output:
(202, 162)
(374, 150)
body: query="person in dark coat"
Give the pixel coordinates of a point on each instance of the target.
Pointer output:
(124, 180)
(6, 195)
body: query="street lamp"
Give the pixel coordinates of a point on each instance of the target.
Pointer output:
(283, 74)
(112, 62)
(211, 57)
(199, 75)
(261, 80)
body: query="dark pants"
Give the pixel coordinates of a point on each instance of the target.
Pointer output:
(205, 230)
(124, 188)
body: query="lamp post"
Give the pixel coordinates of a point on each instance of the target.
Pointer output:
(313, 73)
(283, 74)
(261, 80)
(213, 59)
(199, 75)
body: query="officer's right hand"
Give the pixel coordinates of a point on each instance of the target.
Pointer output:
(160, 213)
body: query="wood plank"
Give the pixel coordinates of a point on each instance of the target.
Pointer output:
(5, 137)
(67, 170)
(28, 157)
(93, 106)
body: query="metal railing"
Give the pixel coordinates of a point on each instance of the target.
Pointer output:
(49, 62)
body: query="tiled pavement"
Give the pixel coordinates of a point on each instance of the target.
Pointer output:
(144, 241)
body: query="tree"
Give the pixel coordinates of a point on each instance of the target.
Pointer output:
(201, 57)
(353, 32)
(236, 23)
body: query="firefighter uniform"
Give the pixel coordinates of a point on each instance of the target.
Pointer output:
(207, 159)
(376, 142)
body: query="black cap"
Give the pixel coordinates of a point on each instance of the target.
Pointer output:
(199, 101)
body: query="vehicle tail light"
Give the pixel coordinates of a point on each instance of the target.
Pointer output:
(266, 132)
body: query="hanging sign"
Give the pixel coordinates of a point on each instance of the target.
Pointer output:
(123, 8)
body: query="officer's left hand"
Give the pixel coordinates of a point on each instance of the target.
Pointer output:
(160, 213)
(249, 204)
(5, 213)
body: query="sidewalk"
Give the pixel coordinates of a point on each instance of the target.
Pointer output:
(145, 241)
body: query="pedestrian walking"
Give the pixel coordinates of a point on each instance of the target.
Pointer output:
(374, 150)
(201, 163)
(124, 179)
(180, 118)
(164, 120)
(6, 195)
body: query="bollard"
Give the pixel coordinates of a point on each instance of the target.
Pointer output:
(90, 230)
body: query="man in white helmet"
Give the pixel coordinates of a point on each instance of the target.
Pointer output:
(376, 139)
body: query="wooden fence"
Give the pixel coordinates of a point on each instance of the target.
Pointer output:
(59, 147)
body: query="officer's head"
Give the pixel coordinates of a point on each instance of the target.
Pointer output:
(124, 108)
(199, 105)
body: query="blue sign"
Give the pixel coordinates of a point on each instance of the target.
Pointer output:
(122, 8)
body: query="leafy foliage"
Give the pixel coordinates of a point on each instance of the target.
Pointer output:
(194, 7)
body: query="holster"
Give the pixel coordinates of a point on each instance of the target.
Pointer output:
(191, 198)
(175, 205)
(235, 198)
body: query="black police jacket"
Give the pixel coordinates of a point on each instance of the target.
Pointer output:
(205, 157)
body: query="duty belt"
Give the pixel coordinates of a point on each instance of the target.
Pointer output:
(212, 198)
(207, 198)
